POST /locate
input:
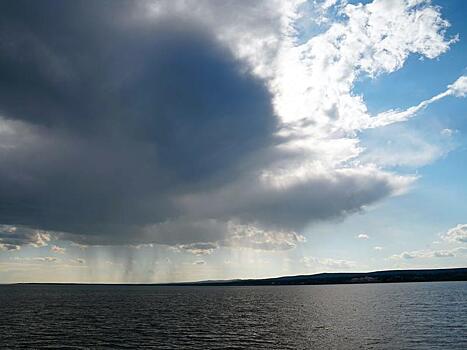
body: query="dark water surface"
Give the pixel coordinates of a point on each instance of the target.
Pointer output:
(371, 316)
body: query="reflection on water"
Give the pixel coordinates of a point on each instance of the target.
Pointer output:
(378, 316)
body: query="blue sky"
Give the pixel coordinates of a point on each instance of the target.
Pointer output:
(213, 140)
(417, 219)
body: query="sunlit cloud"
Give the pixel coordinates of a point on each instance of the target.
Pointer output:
(456, 234)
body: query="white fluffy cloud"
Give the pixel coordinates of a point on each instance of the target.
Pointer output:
(426, 254)
(459, 87)
(456, 234)
(313, 82)
(327, 263)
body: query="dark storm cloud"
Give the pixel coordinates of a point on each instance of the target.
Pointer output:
(119, 128)
(95, 71)
(325, 196)
(121, 112)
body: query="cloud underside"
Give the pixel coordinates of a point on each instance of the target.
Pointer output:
(148, 122)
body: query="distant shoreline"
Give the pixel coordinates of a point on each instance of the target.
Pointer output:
(387, 276)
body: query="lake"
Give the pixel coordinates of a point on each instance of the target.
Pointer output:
(365, 316)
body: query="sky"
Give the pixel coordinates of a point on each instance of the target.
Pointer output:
(163, 141)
